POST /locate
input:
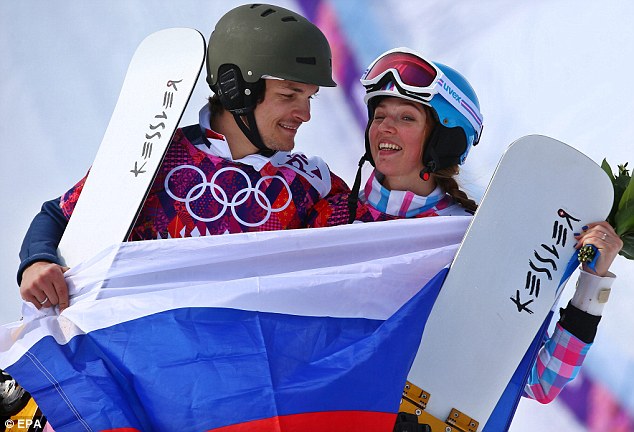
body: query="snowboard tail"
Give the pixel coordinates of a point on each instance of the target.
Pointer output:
(415, 401)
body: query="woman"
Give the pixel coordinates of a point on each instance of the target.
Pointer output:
(423, 118)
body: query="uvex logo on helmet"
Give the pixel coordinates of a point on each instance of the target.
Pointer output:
(450, 91)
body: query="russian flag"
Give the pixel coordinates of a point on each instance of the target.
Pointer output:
(305, 330)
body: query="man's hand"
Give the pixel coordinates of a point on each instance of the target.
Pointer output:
(43, 285)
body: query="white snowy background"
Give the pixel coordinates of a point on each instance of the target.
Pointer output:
(561, 68)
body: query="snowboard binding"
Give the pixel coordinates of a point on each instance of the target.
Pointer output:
(13, 397)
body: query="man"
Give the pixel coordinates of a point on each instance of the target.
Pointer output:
(232, 172)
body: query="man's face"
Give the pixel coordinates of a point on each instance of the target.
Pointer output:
(285, 107)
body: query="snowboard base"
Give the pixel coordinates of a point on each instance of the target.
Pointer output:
(504, 283)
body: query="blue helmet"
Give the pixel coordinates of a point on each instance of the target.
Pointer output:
(405, 74)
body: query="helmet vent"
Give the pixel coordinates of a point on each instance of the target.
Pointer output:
(289, 18)
(267, 12)
(306, 60)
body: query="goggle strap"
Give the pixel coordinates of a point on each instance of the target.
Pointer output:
(460, 101)
(378, 82)
(442, 85)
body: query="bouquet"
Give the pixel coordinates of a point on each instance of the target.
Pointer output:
(622, 214)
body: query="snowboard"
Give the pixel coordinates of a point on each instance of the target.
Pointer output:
(157, 86)
(504, 281)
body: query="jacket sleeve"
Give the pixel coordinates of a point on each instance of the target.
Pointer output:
(329, 211)
(43, 236)
(560, 359)
(338, 185)
(558, 363)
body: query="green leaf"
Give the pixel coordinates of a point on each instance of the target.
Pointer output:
(627, 199)
(621, 181)
(624, 225)
(624, 218)
(628, 246)
(618, 192)
(606, 167)
(622, 214)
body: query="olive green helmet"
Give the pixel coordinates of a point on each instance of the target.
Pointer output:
(262, 39)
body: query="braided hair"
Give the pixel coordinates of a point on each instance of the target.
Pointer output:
(445, 179)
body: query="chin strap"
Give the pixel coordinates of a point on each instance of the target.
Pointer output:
(250, 130)
(240, 99)
(353, 199)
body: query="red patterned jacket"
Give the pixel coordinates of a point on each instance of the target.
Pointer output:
(200, 190)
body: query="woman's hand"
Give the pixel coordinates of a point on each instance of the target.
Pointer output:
(602, 236)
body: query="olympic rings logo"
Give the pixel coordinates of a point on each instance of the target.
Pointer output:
(220, 195)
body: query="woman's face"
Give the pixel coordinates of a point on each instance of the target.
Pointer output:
(397, 135)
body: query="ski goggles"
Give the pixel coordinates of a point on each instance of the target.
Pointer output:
(419, 79)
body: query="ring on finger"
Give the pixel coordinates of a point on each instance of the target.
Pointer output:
(43, 301)
(604, 236)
